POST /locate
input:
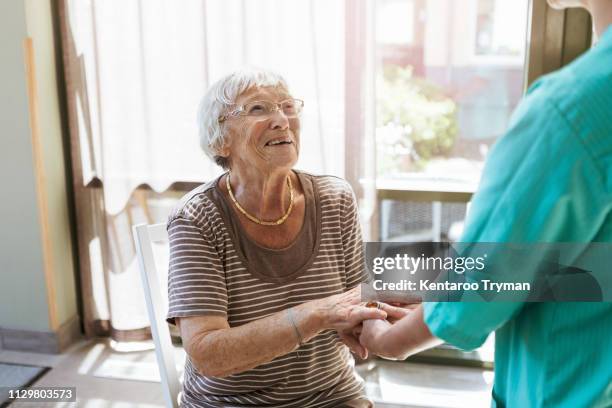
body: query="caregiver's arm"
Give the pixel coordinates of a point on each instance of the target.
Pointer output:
(407, 336)
(218, 350)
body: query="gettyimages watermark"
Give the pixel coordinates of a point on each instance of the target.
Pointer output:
(488, 272)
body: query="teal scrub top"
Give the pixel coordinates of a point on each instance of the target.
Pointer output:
(548, 179)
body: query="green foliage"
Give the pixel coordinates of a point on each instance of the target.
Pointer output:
(415, 121)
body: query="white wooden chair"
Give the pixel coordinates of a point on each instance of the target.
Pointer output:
(144, 237)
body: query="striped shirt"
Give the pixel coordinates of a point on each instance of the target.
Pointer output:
(210, 275)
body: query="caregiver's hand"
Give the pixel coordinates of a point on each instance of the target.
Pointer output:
(396, 311)
(408, 335)
(371, 332)
(372, 337)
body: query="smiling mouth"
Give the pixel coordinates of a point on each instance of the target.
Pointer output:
(278, 142)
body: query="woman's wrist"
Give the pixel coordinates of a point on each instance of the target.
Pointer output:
(309, 319)
(321, 312)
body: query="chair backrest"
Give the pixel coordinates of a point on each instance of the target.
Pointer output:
(144, 237)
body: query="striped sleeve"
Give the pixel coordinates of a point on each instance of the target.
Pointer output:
(196, 279)
(352, 241)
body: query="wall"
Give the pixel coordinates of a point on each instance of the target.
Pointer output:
(26, 280)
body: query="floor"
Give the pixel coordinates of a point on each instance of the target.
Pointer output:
(112, 375)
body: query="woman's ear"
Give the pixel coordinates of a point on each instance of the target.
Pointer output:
(224, 151)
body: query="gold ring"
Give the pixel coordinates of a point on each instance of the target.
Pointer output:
(373, 303)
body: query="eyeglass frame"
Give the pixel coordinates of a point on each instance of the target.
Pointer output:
(240, 110)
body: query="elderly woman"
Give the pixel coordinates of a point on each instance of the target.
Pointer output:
(265, 262)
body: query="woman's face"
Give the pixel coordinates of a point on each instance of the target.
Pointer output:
(251, 141)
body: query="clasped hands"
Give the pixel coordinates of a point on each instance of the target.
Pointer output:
(363, 328)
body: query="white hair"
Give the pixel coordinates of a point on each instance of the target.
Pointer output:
(219, 100)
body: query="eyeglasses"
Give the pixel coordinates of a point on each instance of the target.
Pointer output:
(290, 107)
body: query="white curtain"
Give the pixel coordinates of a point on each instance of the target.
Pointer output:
(144, 65)
(148, 63)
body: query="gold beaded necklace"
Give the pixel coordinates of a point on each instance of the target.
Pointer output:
(253, 218)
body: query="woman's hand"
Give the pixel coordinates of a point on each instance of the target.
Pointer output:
(344, 313)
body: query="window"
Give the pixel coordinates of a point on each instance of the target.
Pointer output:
(448, 76)
(439, 109)
(495, 33)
